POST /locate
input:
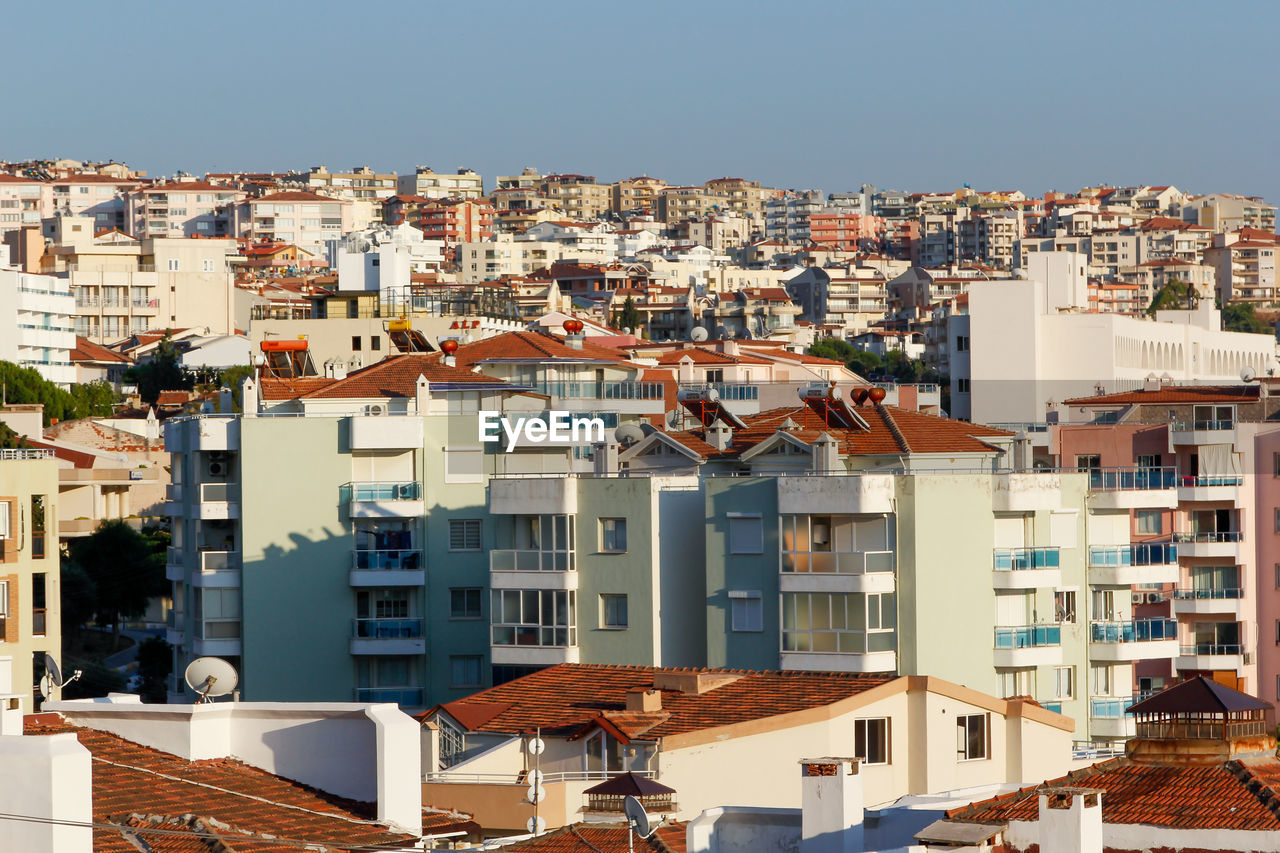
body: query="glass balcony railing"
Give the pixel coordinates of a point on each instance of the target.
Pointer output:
(525, 560)
(1028, 636)
(1133, 631)
(1141, 554)
(381, 491)
(398, 560)
(1212, 649)
(569, 389)
(386, 629)
(729, 391)
(411, 696)
(215, 492)
(1130, 479)
(1184, 426)
(1210, 536)
(846, 563)
(1017, 559)
(1206, 594)
(1114, 707)
(1228, 480)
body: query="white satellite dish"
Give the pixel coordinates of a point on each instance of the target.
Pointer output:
(637, 820)
(52, 678)
(211, 677)
(628, 434)
(536, 825)
(699, 334)
(535, 746)
(536, 794)
(1248, 374)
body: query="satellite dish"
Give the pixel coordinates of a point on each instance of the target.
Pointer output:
(1248, 374)
(637, 820)
(536, 794)
(699, 334)
(536, 746)
(211, 677)
(628, 434)
(536, 825)
(52, 678)
(673, 419)
(51, 667)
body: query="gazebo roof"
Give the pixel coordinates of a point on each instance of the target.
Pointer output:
(629, 784)
(1199, 695)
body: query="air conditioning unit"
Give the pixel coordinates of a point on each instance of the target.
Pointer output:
(1155, 597)
(1248, 658)
(217, 469)
(404, 491)
(375, 409)
(1138, 598)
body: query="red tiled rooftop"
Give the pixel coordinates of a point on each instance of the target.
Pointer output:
(257, 806)
(1172, 394)
(532, 346)
(397, 376)
(87, 350)
(603, 838)
(567, 697)
(702, 355)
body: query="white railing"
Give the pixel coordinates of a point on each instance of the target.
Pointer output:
(9, 454)
(521, 779)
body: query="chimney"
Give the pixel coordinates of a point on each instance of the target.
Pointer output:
(422, 394)
(1070, 820)
(719, 434)
(826, 454)
(606, 461)
(644, 700)
(831, 806)
(224, 400)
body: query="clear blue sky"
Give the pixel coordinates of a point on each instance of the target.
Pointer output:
(910, 95)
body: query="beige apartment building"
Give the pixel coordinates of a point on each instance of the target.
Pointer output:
(98, 196)
(181, 208)
(676, 204)
(30, 615)
(1227, 212)
(363, 187)
(504, 255)
(635, 194)
(578, 196)
(741, 196)
(23, 202)
(125, 285)
(430, 184)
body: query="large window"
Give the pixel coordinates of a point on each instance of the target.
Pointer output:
(613, 535)
(613, 611)
(1064, 682)
(533, 617)
(746, 534)
(464, 670)
(383, 603)
(852, 623)
(465, 602)
(871, 740)
(1149, 521)
(746, 610)
(972, 733)
(835, 543)
(218, 612)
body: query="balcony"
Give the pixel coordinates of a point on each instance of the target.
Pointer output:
(1026, 568)
(729, 392)
(173, 569)
(1221, 601)
(409, 697)
(220, 569)
(1224, 543)
(827, 495)
(1202, 432)
(1210, 656)
(1125, 565)
(389, 567)
(174, 634)
(515, 568)
(217, 501)
(383, 499)
(870, 661)
(1028, 645)
(1027, 492)
(1107, 717)
(856, 571)
(1132, 488)
(1212, 488)
(386, 433)
(387, 637)
(572, 389)
(1137, 639)
(550, 495)
(528, 655)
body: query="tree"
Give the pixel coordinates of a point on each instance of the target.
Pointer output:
(1240, 317)
(628, 317)
(162, 373)
(1172, 295)
(78, 597)
(155, 662)
(124, 569)
(25, 385)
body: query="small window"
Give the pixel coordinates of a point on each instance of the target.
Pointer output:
(464, 602)
(747, 610)
(871, 740)
(173, 265)
(375, 342)
(613, 611)
(1092, 462)
(1064, 682)
(962, 385)
(613, 535)
(1064, 605)
(464, 534)
(746, 535)
(1149, 521)
(463, 465)
(464, 670)
(1101, 680)
(207, 264)
(1277, 568)
(355, 343)
(1277, 519)
(4, 532)
(971, 736)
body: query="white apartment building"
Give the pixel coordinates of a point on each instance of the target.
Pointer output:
(787, 219)
(304, 219)
(430, 184)
(1028, 344)
(363, 187)
(489, 260)
(98, 196)
(23, 201)
(383, 258)
(181, 208)
(35, 323)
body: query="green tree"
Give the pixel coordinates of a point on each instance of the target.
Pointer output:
(1240, 317)
(155, 662)
(124, 569)
(25, 385)
(162, 373)
(628, 317)
(833, 348)
(1172, 295)
(78, 597)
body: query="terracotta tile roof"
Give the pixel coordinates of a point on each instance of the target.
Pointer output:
(603, 838)
(87, 350)
(565, 698)
(701, 355)
(397, 376)
(129, 779)
(1173, 394)
(892, 431)
(532, 346)
(1231, 795)
(294, 195)
(173, 398)
(189, 186)
(291, 389)
(444, 822)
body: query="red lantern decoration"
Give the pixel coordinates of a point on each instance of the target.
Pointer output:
(876, 394)
(573, 326)
(449, 347)
(860, 396)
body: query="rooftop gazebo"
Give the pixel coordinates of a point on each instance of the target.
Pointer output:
(606, 798)
(1201, 720)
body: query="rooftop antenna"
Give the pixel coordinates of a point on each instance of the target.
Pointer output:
(637, 821)
(210, 677)
(52, 677)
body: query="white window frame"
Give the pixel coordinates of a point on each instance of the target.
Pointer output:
(1067, 674)
(962, 737)
(609, 530)
(860, 729)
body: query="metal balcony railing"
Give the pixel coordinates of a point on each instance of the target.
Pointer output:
(1133, 631)
(845, 563)
(1210, 536)
(391, 560)
(1214, 594)
(1184, 426)
(1212, 481)
(530, 560)
(386, 629)
(411, 696)
(1212, 649)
